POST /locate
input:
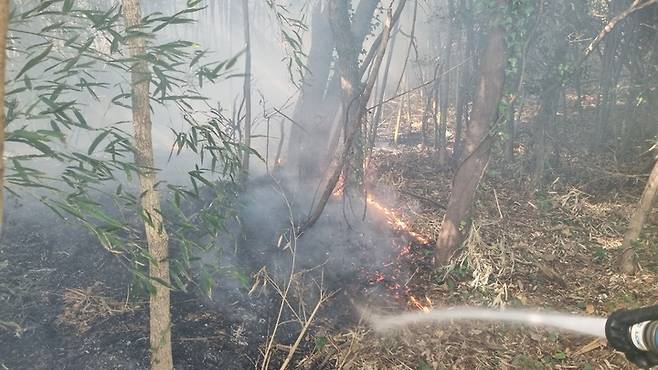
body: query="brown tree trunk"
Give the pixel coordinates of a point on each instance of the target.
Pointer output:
(246, 88)
(156, 236)
(328, 107)
(609, 76)
(354, 97)
(465, 72)
(304, 150)
(628, 259)
(550, 99)
(477, 147)
(382, 88)
(4, 24)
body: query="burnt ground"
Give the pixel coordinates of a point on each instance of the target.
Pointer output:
(66, 303)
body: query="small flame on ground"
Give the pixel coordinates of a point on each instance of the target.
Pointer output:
(396, 221)
(423, 307)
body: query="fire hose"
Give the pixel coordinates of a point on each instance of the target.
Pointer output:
(635, 333)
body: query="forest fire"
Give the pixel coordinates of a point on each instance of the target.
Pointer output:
(396, 221)
(393, 274)
(417, 303)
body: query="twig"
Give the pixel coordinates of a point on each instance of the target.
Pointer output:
(293, 249)
(637, 5)
(497, 204)
(323, 298)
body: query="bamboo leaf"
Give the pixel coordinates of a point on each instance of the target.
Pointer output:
(34, 61)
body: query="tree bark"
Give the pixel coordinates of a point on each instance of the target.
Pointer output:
(304, 150)
(354, 96)
(4, 24)
(246, 88)
(465, 72)
(611, 63)
(156, 236)
(628, 260)
(550, 99)
(477, 146)
(445, 87)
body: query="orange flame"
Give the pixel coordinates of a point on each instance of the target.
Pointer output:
(395, 221)
(425, 308)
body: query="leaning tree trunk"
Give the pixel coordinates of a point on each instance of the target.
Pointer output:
(246, 91)
(156, 236)
(628, 259)
(4, 23)
(477, 147)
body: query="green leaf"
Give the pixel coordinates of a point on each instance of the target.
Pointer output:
(97, 141)
(559, 355)
(320, 343)
(34, 61)
(68, 5)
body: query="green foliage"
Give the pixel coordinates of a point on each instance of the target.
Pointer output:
(320, 343)
(423, 365)
(559, 355)
(77, 164)
(600, 254)
(292, 31)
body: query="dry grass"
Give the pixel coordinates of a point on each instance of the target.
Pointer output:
(85, 307)
(554, 250)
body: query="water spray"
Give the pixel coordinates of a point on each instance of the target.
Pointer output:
(633, 332)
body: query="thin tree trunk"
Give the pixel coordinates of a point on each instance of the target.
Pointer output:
(396, 132)
(607, 96)
(550, 101)
(445, 86)
(4, 24)
(246, 88)
(156, 236)
(477, 146)
(412, 35)
(382, 88)
(628, 260)
(465, 89)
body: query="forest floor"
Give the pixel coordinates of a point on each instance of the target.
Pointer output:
(64, 302)
(552, 250)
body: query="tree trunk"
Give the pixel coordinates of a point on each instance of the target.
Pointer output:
(628, 259)
(609, 77)
(477, 147)
(465, 72)
(304, 150)
(382, 88)
(246, 88)
(445, 86)
(354, 97)
(550, 99)
(4, 24)
(156, 236)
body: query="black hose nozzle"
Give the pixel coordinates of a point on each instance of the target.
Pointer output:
(635, 333)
